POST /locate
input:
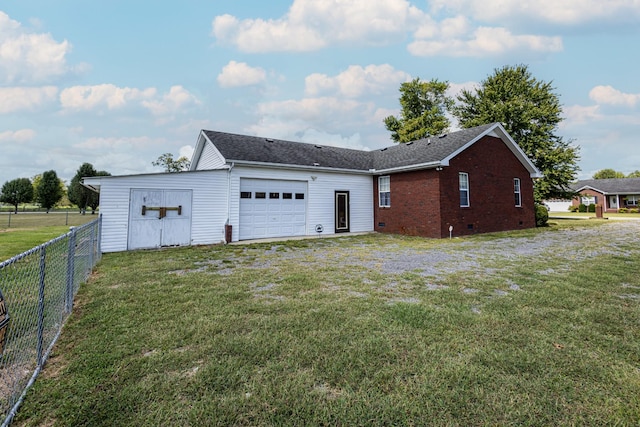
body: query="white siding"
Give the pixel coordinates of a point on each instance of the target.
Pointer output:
(209, 209)
(210, 158)
(320, 197)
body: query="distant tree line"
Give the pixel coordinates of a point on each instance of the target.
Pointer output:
(49, 191)
(610, 173)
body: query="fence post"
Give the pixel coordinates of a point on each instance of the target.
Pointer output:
(70, 270)
(43, 264)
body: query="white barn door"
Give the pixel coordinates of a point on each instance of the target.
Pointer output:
(159, 218)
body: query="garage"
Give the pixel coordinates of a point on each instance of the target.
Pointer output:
(272, 208)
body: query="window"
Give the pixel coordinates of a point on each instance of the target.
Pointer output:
(261, 195)
(384, 191)
(245, 194)
(299, 196)
(463, 178)
(632, 200)
(274, 195)
(287, 196)
(516, 191)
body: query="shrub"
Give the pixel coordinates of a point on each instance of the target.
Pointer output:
(542, 215)
(634, 210)
(591, 208)
(582, 207)
(573, 208)
(623, 210)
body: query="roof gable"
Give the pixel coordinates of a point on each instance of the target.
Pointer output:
(425, 153)
(609, 186)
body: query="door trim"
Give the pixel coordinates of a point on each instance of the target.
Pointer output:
(342, 212)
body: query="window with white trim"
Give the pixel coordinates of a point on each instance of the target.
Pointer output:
(463, 179)
(384, 191)
(632, 200)
(516, 192)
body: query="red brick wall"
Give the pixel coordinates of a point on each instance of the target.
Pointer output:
(427, 202)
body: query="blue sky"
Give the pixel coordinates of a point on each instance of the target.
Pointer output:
(117, 83)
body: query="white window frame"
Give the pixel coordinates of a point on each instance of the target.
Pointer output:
(463, 184)
(517, 193)
(632, 200)
(384, 191)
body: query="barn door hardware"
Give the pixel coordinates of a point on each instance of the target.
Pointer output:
(163, 210)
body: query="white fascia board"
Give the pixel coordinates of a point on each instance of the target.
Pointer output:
(588, 187)
(203, 140)
(92, 183)
(428, 165)
(501, 133)
(296, 167)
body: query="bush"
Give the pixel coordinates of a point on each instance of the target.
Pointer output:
(591, 208)
(573, 208)
(582, 207)
(542, 216)
(634, 210)
(623, 210)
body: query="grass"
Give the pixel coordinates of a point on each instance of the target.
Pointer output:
(328, 332)
(32, 229)
(592, 214)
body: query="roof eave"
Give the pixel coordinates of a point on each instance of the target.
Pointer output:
(407, 168)
(299, 167)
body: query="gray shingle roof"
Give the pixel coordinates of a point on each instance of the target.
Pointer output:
(264, 150)
(610, 186)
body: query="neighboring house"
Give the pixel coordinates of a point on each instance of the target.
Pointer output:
(244, 187)
(612, 193)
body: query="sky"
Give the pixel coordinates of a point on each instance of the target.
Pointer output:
(118, 83)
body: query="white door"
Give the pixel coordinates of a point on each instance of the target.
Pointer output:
(159, 218)
(272, 208)
(613, 202)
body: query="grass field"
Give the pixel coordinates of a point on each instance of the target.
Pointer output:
(538, 327)
(32, 229)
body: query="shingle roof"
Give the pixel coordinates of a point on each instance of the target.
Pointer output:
(610, 186)
(274, 151)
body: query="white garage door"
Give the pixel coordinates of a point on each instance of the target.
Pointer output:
(272, 208)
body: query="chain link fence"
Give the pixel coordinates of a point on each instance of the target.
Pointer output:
(37, 291)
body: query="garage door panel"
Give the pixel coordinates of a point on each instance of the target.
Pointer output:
(279, 214)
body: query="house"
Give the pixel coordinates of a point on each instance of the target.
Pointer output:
(245, 187)
(613, 193)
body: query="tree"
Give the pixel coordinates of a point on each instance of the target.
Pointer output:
(17, 191)
(94, 200)
(634, 174)
(80, 195)
(170, 164)
(49, 190)
(530, 111)
(424, 105)
(607, 173)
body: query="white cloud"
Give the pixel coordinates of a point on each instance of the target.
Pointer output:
(26, 98)
(611, 96)
(100, 96)
(565, 12)
(236, 74)
(482, 42)
(21, 135)
(186, 151)
(357, 81)
(27, 57)
(314, 24)
(172, 102)
(115, 144)
(579, 114)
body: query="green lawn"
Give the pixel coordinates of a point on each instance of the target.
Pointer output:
(28, 230)
(538, 327)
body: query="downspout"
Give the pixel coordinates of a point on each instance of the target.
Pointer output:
(227, 224)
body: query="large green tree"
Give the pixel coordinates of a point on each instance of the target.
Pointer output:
(17, 191)
(607, 173)
(423, 110)
(48, 190)
(634, 174)
(78, 194)
(170, 164)
(530, 111)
